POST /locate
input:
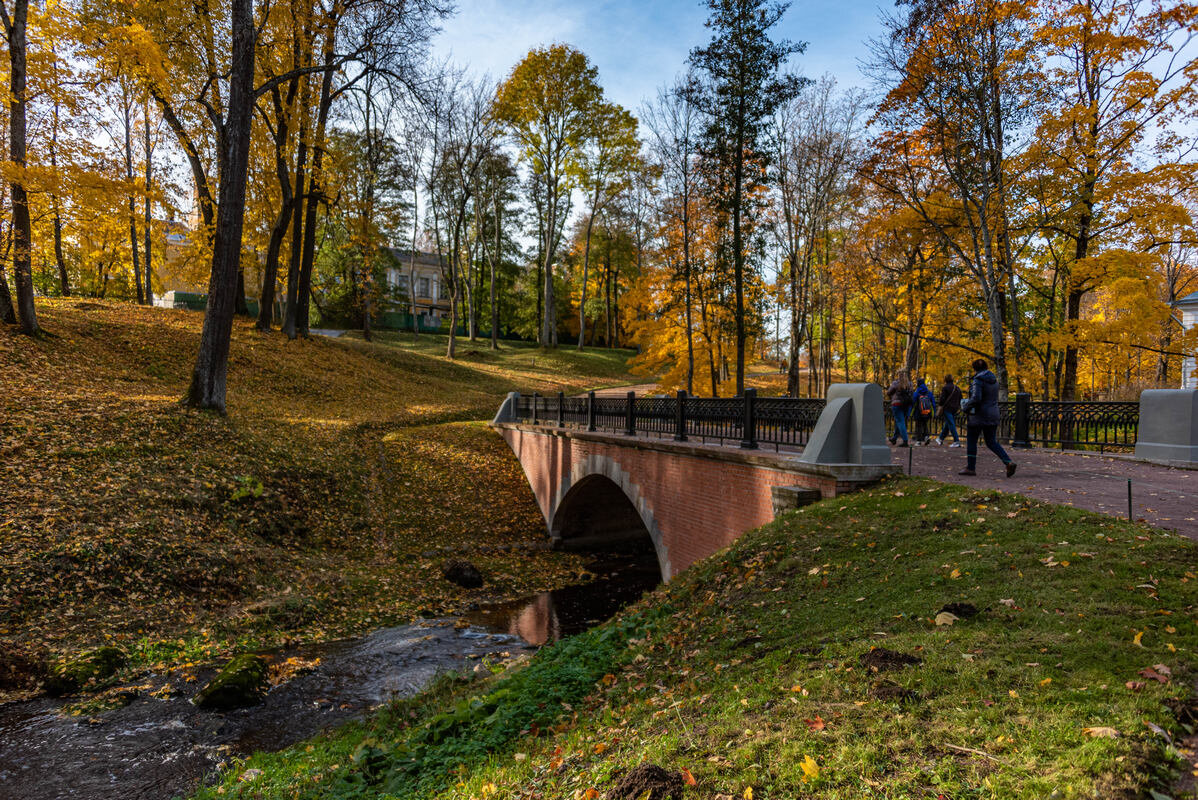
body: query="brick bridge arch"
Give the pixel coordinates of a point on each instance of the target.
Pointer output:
(689, 498)
(598, 502)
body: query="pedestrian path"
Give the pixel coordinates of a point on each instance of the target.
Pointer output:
(1161, 496)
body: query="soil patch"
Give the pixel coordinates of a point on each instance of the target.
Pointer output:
(648, 782)
(881, 659)
(960, 610)
(889, 692)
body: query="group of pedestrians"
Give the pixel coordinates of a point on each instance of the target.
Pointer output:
(916, 402)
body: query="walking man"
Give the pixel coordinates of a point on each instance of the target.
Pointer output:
(950, 404)
(982, 408)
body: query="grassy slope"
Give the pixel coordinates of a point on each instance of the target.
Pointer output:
(750, 664)
(312, 510)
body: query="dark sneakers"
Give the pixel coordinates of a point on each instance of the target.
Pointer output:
(1011, 467)
(967, 472)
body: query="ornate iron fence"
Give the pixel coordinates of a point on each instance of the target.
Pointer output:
(788, 422)
(1083, 424)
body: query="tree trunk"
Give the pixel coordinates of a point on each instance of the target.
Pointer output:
(738, 255)
(270, 272)
(64, 280)
(134, 244)
(22, 228)
(7, 313)
(239, 304)
(146, 209)
(315, 194)
(586, 264)
(494, 262)
(211, 369)
(278, 231)
(291, 312)
(548, 328)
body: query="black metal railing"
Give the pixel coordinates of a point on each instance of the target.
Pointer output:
(788, 422)
(777, 421)
(1106, 425)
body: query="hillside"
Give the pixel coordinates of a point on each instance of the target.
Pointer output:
(915, 640)
(322, 505)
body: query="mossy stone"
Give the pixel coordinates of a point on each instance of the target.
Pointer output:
(241, 683)
(91, 668)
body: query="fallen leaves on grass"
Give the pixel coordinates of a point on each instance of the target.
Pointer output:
(303, 515)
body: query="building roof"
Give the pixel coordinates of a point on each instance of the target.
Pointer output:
(404, 257)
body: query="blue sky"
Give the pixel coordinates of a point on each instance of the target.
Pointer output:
(639, 45)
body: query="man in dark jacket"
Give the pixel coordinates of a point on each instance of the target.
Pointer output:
(982, 407)
(950, 404)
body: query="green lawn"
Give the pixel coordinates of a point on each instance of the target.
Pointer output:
(593, 367)
(756, 671)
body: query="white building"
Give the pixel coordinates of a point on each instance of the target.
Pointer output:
(419, 278)
(1188, 306)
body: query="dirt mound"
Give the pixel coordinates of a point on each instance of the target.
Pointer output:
(880, 659)
(889, 692)
(648, 782)
(960, 610)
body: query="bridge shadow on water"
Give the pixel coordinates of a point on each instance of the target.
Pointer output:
(623, 577)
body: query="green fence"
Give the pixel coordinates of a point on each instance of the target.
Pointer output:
(195, 301)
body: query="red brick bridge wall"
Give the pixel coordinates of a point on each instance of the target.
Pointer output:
(691, 499)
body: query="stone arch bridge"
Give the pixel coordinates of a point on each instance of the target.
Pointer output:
(689, 495)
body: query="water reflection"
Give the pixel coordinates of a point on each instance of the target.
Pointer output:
(551, 616)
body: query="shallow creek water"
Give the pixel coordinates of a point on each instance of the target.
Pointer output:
(160, 746)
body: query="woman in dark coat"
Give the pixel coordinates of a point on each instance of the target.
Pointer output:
(982, 407)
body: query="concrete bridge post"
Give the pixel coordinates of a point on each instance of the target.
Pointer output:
(1168, 431)
(851, 428)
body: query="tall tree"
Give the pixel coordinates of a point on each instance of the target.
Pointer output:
(674, 123)
(962, 76)
(1119, 72)
(610, 156)
(743, 86)
(816, 139)
(547, 104)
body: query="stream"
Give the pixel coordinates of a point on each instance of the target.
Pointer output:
(160, 746)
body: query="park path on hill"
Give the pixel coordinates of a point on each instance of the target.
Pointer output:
(1164, 497)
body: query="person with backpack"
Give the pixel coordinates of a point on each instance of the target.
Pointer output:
(950, 404)
(899, 395)
(925, 412)
(982, 408)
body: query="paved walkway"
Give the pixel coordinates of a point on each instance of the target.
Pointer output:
(1161, 496)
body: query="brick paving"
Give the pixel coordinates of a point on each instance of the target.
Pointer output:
(1165, 497)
